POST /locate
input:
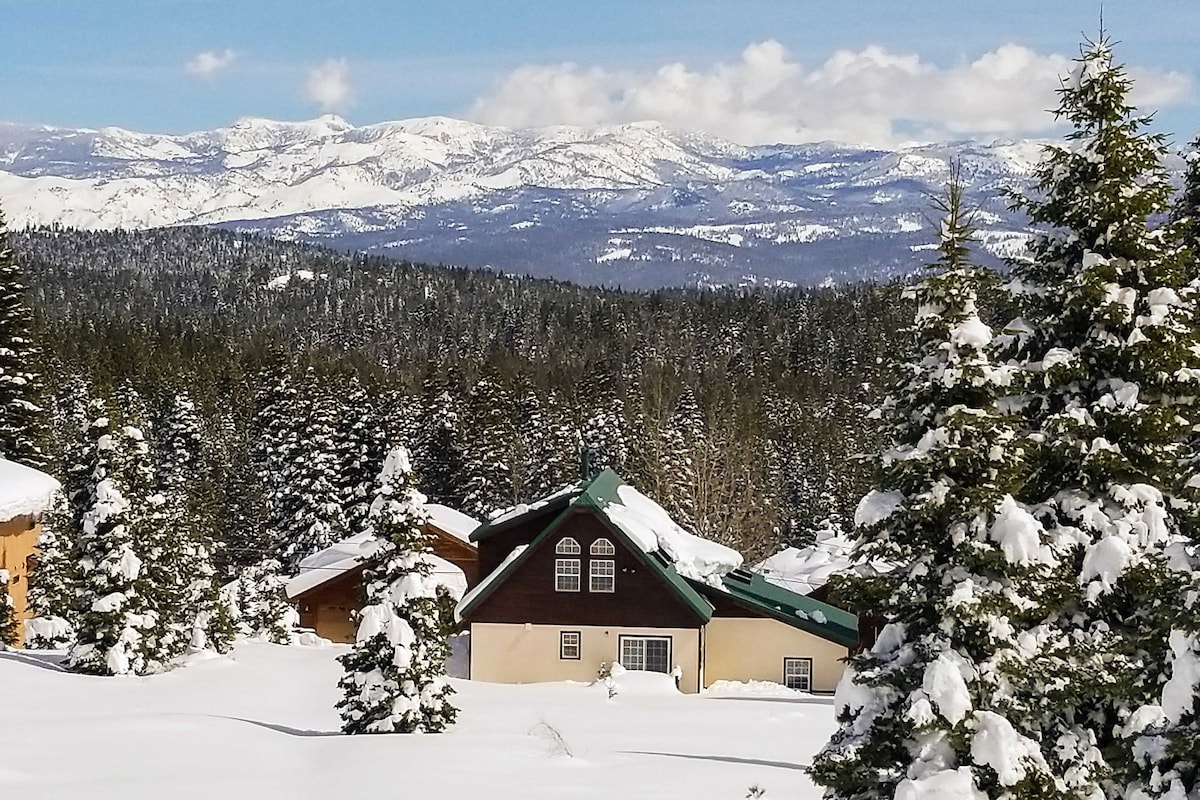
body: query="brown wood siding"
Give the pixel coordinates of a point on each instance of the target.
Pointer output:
(494, 549)
(458, 553)
(328, 608)
(642, 598)
(18, 543)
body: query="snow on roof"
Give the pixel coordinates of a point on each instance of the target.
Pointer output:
(24, 491)
(470, 596)
(503, 515)
(455, 523)
(338, 559)
(806, 569)
(651, 528)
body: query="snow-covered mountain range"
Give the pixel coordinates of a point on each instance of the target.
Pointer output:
(634, 205)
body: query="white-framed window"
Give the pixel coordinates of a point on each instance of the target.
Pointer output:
(603, 547)
(602, 575)
(568, 547)
(650, 653)
(797, 673)
(570, 645)
(566, 574)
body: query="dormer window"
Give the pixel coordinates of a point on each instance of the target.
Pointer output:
(603, 547)
(568, 547)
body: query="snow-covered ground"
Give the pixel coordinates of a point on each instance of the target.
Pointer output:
(261, 724)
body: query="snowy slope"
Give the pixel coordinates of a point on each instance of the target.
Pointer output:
(261, 724)
(635, 204)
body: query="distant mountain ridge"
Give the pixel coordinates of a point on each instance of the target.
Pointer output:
(635, 205)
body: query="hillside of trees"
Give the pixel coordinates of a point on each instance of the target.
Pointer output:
(744, 413)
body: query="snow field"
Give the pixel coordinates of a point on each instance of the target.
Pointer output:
(261, 723)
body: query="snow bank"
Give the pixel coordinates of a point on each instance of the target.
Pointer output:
(24, 491)
(752, 689)
(651, 528)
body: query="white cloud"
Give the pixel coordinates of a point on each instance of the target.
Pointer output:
(328, 85)
(872, 96)
(210, 62)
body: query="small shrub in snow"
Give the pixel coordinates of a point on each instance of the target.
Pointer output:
(395, 675)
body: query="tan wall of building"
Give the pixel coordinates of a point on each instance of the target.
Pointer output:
(18, 540)
(515, 653)
(743, 649)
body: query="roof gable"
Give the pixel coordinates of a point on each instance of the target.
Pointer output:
(655, 562)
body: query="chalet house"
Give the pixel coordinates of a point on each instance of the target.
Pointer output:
(25, 494)
(329, 587)
(599, 573)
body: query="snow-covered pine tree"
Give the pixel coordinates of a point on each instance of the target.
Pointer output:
(395, 675)
(52, 582)
(930, 710)
(202, 618)
(309, 505)
(1110, 345)
(8, 613)
(1186, 211)
(55, 576)
(261, 603)
(440, 447)
(489, 446)
(684, 440)
(111, 597)
(23, 427)
(550, 444)
(361, 444)
(603, 439)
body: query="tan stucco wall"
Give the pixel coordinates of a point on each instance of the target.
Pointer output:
(18, 538)
(753, 649)
(514, 653)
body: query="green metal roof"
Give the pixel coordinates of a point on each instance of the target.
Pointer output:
(743, 586)
(596, 494)
(797, 610)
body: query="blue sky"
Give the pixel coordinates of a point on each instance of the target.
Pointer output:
(750, 68)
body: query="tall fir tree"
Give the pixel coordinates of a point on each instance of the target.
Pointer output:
(441, 448)
(934, 708)
(111, 597)
(684, 443)
(489, 447)
(1186, 211)
(1109, 344)
(23, 426)
(394, 678)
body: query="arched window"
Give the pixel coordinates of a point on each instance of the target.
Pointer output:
(603, 547)
(568, 547)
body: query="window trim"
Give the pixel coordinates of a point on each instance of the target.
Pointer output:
(606, 549)
(612, 575)
(809, 676)
(562, 645)
(623, 637)
(567, 546)
(561, 570)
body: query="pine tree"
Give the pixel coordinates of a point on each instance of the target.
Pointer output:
(260, 600)
(360, 443)
(52, 583)
(935, 703)
(441, 450)
(111, 598)
(395, 675)
(603, 439)
(489, 447)
(22, 418)
(1108, 344)
(190, 582)
(8, 613)
(1186, 211)
(684, 441)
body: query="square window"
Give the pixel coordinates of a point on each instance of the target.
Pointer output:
(566, 575)
(797, 673)
(650, 653)
(602, 575)
(570, 645)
